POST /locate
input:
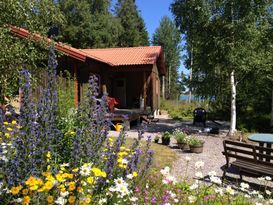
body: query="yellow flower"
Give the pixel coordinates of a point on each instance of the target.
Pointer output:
(103, 174)
(13, 122)
(6, 123)
(50, 199)
(19, 127)
(7, 135)
(60, 177)
(15, 190)
(72, 132)
(48, 155)
(75, 170)
(135, 174)
(88, 199)
(72, 186)
(26, 200)
(48, 166)
(96, 171)
(71, 199)
(61, 188)
(90, 180)
(80, 189)
(9, 129)
(48, 185)
(34, 187)
(25, 191)
(123, 166)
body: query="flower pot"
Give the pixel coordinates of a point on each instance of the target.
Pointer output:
(183, 146)
(166, 141)
(196, 148)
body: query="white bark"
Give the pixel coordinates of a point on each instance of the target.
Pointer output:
(271, 123)
(191, 64)
(232, 128)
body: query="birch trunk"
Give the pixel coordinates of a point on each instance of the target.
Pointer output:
(232, 128)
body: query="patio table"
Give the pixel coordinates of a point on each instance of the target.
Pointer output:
(263, 139)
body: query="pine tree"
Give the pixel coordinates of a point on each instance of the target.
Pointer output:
(168, 36)
(134, 31)
(89, 24)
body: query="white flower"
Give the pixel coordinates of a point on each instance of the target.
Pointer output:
(193, 186)
(85, 170)
(260, 196)
(219, 191)
(18, 200)
(130, 176)
(230, 191)
(175, 200)
(257, 203)
(65, 165)
(61, 201)
(247, 196)
(244, 186)
(199, 164)
(192, 199)
(199, 174)
(270, 201)
(4, 158)
(188, 159)
(102, 201)
(124, 161)
(254, 192)
(112, 189)
(215, 180)
(165, 171)
(171, 179)
(212, 173)
(64, 194)
(173, 195)
(133, 199)
(267, 178)
(266, 191)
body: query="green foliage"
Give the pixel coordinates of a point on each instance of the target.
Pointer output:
(180, 110)
(33, 15)
(89, 24)
(168, 36)
(134, 32)
(226, 36)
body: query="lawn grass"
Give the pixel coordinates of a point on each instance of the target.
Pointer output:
(163, 155)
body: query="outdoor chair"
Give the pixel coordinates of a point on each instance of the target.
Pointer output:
(199, 116)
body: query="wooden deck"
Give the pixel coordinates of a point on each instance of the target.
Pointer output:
(127, 116)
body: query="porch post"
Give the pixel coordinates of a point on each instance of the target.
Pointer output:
(144, 89)
(76, 86)
(163, 87)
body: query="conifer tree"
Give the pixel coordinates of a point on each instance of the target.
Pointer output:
(89, 24)
(134, 32)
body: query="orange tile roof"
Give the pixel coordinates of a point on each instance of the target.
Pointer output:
(125, 56)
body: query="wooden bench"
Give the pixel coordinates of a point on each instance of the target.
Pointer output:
(248, 158)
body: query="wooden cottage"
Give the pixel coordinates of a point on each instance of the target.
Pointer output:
(132, 75)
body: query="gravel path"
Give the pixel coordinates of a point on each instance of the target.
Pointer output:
(212, 155)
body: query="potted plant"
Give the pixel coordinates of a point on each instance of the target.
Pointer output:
(196, 145)
(156, 140)
(166, 138)
(181, 139)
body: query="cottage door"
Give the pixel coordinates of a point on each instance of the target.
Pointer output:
(120, 91)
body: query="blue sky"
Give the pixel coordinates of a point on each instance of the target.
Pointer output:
(152, 11)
